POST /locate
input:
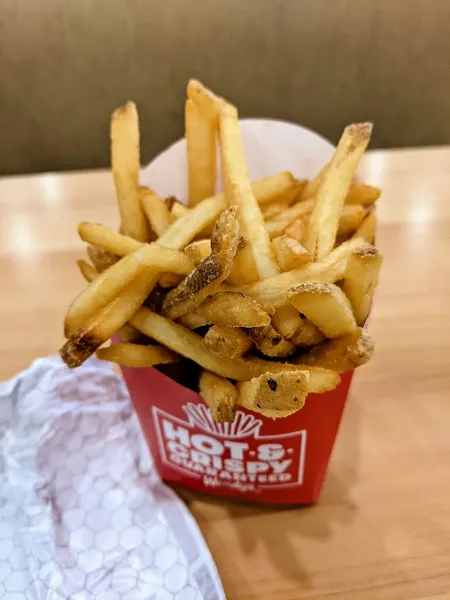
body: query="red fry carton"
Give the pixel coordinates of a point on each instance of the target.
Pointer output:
(254, 458)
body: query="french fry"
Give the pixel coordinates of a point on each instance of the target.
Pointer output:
(330, 196)
(208, 275)
(203, 97)
(278, 224)
(155, 210)
(286, 322)
(190, 345)
(289, 253)
(201, 129)
(273, 291)
(312, 187)
(367, 228)
(220, 396)
(227, 342)
(178, 210)
(297, 229)
(136, 355)
(351, 218)
(342, 354)
(164, 258)
(270, 342)
(325, 305)
(275, 394)
(233, 309)
(273, 209)
(129, 334)
(87, 270)
(101, 259)
(104, 324)
(106, 287)
(282, 186)
(193, 320)
(125, 164)
(361, 193)
(243, 271)
(198, 251)
(307, 334)
(361, 279)
(170, 280)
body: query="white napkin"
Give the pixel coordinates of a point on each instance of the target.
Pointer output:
(83, 514)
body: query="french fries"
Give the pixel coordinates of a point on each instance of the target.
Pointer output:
(332, 190)
(252, 270)
(125, 164)
(289, 253)
(341, 354)
(325, 305)
(135, 355)
(220, 395)
(208, 275)
(233, 309)
(361, 279)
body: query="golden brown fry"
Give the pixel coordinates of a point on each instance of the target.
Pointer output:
(282, 187)
(203, 97)
(105, 288)
(101, 258)
(361, 279)
(233, 309)
(87, 270)
(278, 224)
(330, 196)
(201, 129)
(190, 345)
(155, 210)
(178, 210)
(208, 275)
(270, 342)
(272, 292)
(240, 192)
(325, 305)
(351, 218)
(286, 322)
(104, 324)
(269, 211)
(198, 251)
(170, 280)
(297, 229)
(227, 342)
(125, 164)
(136, 355)
(289, 253)
(367, 228)
(164, 259)
(344, 353)
(129, 334)
(243, 271)
(193, 321)
(307, 334)
(361, 193)
(220, 396)
(275, 394)
(312, 187)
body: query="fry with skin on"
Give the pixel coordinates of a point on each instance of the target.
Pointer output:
(87, 270)
(325, 305)
(136, 355)
(289, 253)
(155, 210)
(361, 279)
(273, 291)
(233, 309)
(351, 218)
(307, 334)
(125, 164)
(227, 342)
(191, 345)
(208, 275)
(367, 228)
(100, 258)
(361, 193)
(275, 394)
(270, 342)
(342, 354)
(330, 196)
(220, 395)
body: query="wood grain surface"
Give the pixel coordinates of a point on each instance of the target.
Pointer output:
(381, 530)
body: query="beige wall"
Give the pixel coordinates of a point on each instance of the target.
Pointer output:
(65, 64)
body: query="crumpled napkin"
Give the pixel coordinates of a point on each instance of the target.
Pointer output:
(83, 514)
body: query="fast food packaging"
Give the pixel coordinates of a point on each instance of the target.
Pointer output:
(255, 458)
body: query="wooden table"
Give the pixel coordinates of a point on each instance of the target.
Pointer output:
(382, 527)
